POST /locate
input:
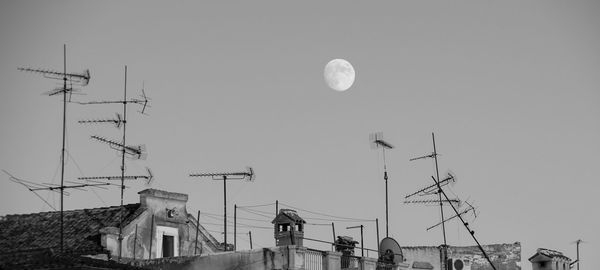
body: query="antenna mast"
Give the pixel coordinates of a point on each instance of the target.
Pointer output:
(81, 79)
(577, 242)
(247, 175)
(137, 152)
(441, 192)
(378, 142)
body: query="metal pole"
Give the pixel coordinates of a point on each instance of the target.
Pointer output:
(437, 181)
(377, 225)
(385, 176)
(578, 241)
(292, 234)
(62, 156)
(197, 229)
(472, 233)
(235, 227)
(225, 210)
(250, 235)
(333, 230)
(276, 207)
(134, 241)
(151, 236)
(123, 166)
(362, 246)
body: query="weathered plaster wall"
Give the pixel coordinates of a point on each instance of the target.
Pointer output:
(156, 205)
(422, 254)
(504, 256)
(256, 259)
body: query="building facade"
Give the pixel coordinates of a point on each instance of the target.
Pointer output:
(158, 226)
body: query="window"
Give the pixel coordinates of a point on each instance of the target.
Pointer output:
(167, 242)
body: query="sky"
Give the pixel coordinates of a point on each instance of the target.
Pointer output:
(511, 90)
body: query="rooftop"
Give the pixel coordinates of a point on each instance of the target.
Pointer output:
(81, 229)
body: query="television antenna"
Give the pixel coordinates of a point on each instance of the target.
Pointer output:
(34, 187)
(149, 177)
(441, 192)
(470, 208)
(432, 201)
(81, 79)
(376, 142)
(248, 175)
(132, 151)
(577, 242)
(433, 189)
(117, 121)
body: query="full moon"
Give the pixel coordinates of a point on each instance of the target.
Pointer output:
(339, 74)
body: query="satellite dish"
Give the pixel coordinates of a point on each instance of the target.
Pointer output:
(390, 251)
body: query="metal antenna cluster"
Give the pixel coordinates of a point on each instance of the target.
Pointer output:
(248, 175)
(73, 78)
(376, 142)
(431, 190)
(134, 152)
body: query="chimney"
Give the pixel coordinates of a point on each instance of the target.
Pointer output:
(289, 228)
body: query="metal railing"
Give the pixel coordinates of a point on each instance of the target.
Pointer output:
(313, 259)
(350, 262)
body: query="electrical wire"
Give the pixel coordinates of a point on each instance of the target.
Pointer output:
(253, 206)
(258, 214)
(228, 217)
(327, 215)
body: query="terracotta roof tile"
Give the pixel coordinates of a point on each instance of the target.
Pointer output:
(81, 229)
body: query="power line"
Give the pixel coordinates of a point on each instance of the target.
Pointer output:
(252, 206)
(323, 214)
(218, 215)
(255, 212)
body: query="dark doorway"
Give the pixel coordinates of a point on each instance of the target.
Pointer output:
(168, 246)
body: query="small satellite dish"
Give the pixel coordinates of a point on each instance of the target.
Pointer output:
(390, 251)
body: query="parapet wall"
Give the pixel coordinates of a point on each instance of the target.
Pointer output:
(256, 259)
(504, 256)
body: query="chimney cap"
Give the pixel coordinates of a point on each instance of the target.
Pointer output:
(287, 216)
